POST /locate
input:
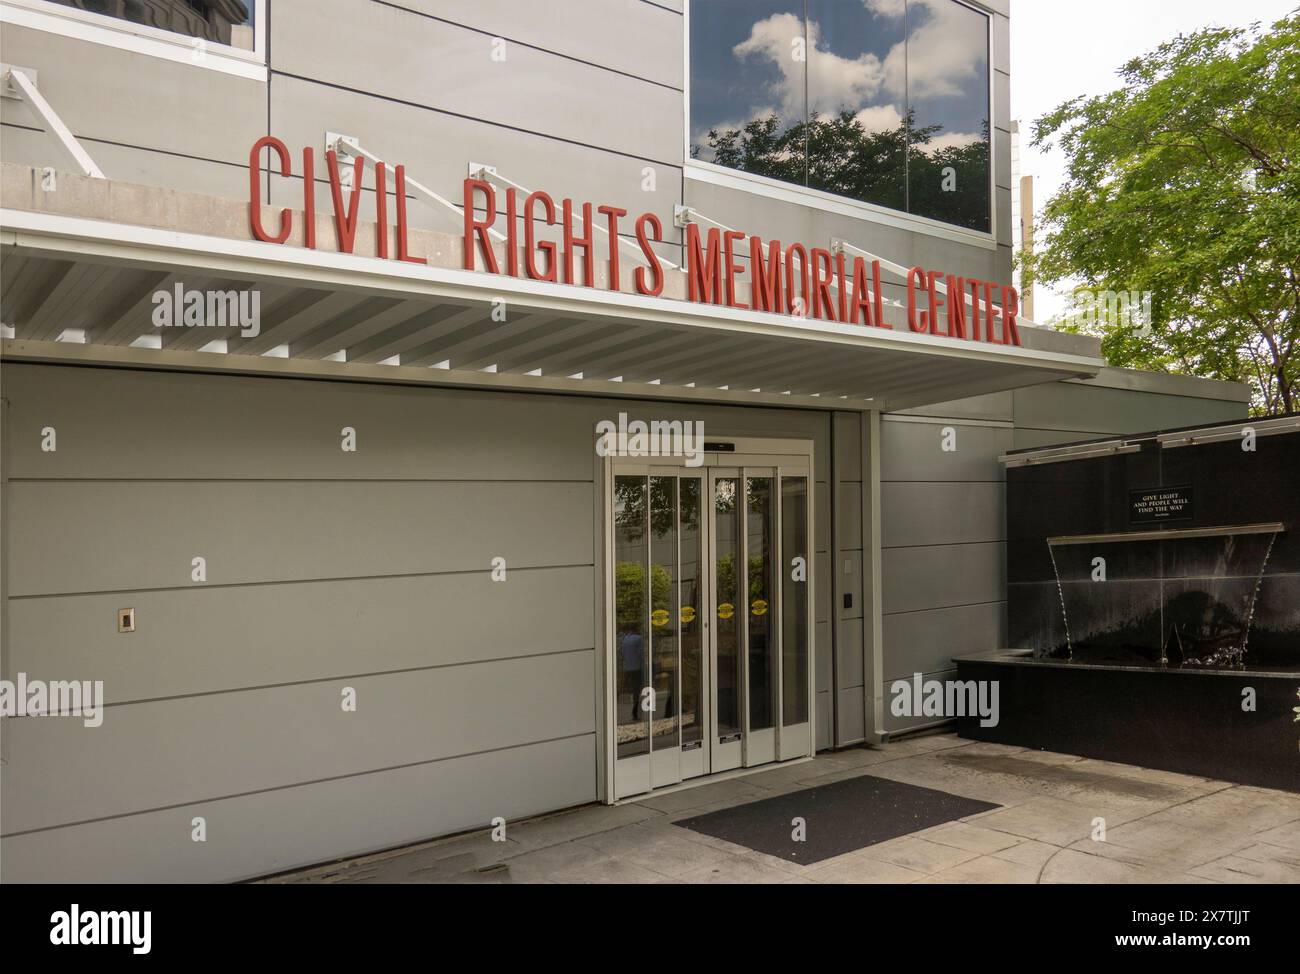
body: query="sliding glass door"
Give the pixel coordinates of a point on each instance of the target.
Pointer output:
(712, 627)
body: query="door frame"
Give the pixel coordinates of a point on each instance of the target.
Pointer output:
(788, 457)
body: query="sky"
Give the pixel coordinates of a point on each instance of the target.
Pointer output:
(1064, 48)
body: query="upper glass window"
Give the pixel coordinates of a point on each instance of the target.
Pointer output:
(228, 22)
(882, 101)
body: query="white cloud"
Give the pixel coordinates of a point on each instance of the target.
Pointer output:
(935, 64)
(772, 39)
(880, 118)
(886, 8)
(929, 65)
(950, 140)
(834, 82)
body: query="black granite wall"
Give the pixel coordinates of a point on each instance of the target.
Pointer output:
(1189, 600)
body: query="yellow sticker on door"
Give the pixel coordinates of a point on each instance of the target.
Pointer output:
(659, 617)
(759, 607)
(687, 614)
(726, 610)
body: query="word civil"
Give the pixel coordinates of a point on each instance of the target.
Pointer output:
(794, 280)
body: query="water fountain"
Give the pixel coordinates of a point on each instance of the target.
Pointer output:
(1197, 614)
(1153, 602)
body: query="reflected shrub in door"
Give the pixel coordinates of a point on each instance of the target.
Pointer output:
(629, 593)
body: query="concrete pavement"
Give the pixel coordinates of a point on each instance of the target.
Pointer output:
(1158, 827)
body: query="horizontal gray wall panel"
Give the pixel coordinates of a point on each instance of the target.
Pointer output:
(924, 642)
(70, 537)
(935, 252)
(209, 426)
(209, 639)
(1076, 406)
(626, 35)
(996, 406)
(913, 451)
(177, 752)
(939, 513)
(943, 575)
(103, 92)
(233, 427)
(436, 149)
(1028, 439)
(268, 832)
(400, 55)
(145, 167)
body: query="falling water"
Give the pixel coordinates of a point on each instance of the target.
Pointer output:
(1254, 598)
(1235, 656)
(1069, 645)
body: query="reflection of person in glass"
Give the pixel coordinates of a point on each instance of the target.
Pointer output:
(630, 660)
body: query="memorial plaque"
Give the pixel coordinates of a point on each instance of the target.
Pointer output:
(1160, 504)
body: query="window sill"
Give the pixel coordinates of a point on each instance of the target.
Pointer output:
(134, 38)
(708, 172)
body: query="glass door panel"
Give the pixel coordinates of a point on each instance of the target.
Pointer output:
(763, 664)
(631, 631)
(796, 727)
(665, 742)
(729, 616)
(690, 621)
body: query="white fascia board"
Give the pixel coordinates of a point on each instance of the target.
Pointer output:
(59, 235)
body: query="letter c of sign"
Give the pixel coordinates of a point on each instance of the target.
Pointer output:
(255, 190)
(916, 276)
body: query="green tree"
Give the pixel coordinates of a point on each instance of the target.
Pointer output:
(1185, 183)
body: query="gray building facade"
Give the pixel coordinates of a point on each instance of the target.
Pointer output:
(462, 571)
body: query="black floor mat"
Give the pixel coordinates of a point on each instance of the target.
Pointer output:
(840, 817)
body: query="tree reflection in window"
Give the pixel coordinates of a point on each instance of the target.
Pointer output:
(894, 96)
